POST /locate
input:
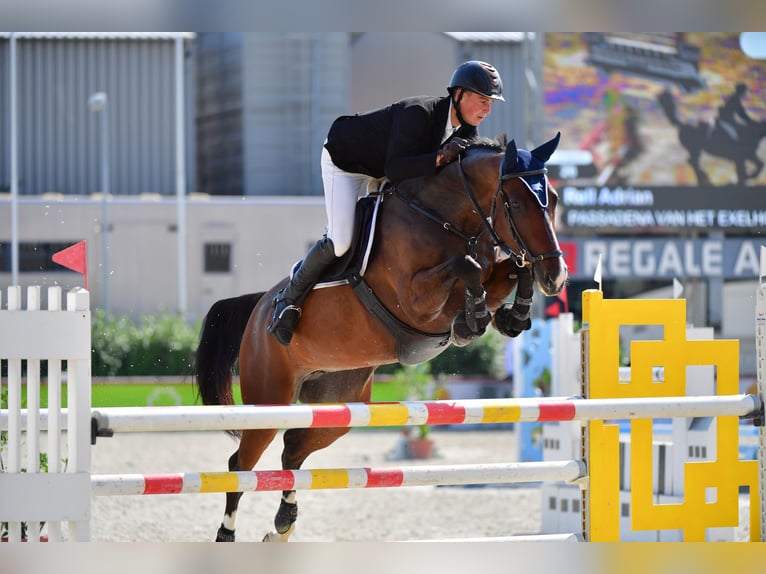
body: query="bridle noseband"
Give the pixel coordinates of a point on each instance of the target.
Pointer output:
(524, 258)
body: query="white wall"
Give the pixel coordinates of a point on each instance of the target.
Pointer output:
(268, 235)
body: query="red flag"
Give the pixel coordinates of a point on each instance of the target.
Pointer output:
(553, 310)
(75, 258)
(560, 305)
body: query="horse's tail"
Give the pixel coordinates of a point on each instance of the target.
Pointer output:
(668, 105)
(218, 349)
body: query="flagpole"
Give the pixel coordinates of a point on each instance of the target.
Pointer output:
(14, 167)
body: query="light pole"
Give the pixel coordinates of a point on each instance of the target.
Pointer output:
(98, 103)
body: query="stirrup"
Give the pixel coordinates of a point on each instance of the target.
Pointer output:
(284, 321)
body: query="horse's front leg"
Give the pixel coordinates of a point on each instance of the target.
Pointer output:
(509, 318)
(513, 318)
(432, 288)
(501, 282)
(473, 321)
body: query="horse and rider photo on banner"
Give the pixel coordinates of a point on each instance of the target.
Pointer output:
(663, 131)
(669, 109)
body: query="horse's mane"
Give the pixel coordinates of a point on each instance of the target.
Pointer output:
(498, 143)
(475, 144)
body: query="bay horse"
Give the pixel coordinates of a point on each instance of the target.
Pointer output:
(447, 251)
(713, 139)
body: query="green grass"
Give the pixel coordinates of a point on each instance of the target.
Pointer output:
(169, 394)
(146, 394)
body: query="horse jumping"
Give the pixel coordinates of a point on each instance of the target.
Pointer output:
(447, 251)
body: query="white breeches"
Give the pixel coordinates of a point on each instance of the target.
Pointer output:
(341, 191)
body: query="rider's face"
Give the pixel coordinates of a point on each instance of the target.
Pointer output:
(475, 107)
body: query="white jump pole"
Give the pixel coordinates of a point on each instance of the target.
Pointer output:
(337, 478)
(471, 411)
(156, 419)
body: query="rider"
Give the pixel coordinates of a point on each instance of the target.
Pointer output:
(410, 138)
(732, 115)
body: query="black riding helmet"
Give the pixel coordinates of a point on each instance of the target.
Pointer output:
(478, 77)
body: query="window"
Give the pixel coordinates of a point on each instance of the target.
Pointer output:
(34, 256)
(217, 258)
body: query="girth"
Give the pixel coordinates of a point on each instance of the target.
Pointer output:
(412, 345)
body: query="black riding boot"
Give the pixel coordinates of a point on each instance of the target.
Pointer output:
(286, 304)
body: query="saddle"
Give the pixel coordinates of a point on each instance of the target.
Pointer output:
(355, 259)
(413, 346)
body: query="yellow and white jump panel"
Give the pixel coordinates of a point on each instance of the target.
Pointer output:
(711, 488)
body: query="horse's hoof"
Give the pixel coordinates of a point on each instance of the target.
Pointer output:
(462, 334)
(510, 323)
(224, 535)
(277, 537)
(286, 516)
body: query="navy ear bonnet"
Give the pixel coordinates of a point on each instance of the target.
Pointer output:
(538, 182)
(530, 167)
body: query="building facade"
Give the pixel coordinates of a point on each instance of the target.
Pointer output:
(257, 110)
(257, 107)
(59, 145)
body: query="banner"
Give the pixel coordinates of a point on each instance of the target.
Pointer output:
(652, 258)
(649, 209)
(659, 130)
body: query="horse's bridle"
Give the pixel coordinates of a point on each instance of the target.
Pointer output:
(522, 259)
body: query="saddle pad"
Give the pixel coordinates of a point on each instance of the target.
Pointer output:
(356, 258)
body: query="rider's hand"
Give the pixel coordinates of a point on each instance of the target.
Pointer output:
(452, 150)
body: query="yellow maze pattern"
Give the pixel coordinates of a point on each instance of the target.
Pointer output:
(601, 329)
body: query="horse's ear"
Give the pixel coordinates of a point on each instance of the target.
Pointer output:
(509, 162)
(545, 151)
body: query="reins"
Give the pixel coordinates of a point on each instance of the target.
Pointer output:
(522, 259)
(471, 241)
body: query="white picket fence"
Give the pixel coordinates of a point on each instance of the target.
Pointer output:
(30, 336)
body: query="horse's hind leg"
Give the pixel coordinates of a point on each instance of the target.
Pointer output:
(694, 161)
(741, 172)
(252, 446)
(345, 386)
(756, 168)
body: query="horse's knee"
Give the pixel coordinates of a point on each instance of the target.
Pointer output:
(468, 270)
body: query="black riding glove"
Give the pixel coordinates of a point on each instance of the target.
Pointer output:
(452, 150)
